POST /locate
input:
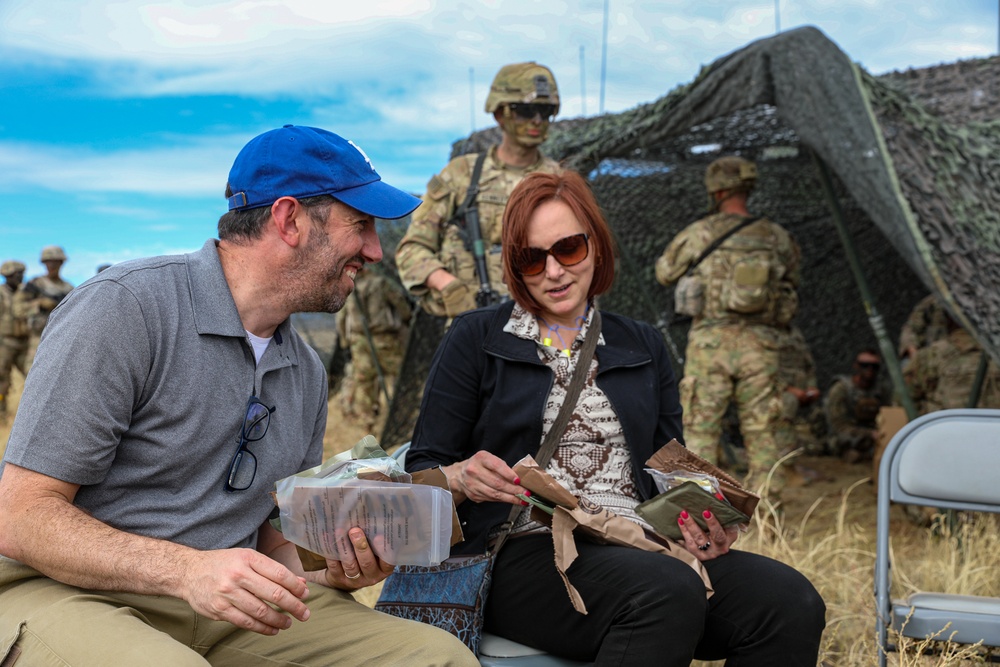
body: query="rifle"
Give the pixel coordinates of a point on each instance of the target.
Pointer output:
(33, 291)
(363, 313)
(486, 296)
(466, 218)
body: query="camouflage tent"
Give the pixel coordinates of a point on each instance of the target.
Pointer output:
(910, 160)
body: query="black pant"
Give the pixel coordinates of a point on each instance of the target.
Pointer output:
(649, 609)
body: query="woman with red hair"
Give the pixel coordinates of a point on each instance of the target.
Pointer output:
(496, 384)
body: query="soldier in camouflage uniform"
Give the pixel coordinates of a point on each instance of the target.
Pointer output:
(387, 312)
(941, 375)
(45, 293)
(741, 298)
(434, 262)
(800, 403)
(852, 406)
(927, 323)
(14, 332)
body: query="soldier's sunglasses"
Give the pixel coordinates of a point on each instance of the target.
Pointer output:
(529, 111)
(243, 467)
(568, 251)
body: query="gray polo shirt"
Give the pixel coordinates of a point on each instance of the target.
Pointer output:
(138, 393)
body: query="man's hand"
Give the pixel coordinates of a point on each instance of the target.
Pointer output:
(457, 298)
(240, 586)
(804, 396)
(362, 569)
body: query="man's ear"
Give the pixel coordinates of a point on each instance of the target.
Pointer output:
(284, 217)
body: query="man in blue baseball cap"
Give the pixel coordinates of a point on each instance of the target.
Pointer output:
(167, 396)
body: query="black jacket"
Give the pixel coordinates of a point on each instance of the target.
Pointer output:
(487, 390)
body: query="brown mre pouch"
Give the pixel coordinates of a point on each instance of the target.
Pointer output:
(662, 511)
(580, 517)
(675, 456)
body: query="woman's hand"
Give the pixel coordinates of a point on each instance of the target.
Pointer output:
(707, 544)
(484, 478)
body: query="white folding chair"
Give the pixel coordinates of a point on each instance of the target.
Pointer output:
(496, 651)
(948, 459)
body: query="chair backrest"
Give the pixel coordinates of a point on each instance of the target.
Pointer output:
(947, 459)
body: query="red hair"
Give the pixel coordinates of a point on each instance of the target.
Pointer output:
(568, 187)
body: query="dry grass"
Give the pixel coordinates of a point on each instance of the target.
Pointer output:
(826, 542)
(826, 530)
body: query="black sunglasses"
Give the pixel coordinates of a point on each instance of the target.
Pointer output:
(529, 111)
(568, 251)
(243, 468)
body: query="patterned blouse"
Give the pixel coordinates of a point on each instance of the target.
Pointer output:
(592, 458)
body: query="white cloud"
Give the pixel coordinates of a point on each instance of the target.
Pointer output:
(395, 72)
(197, 169)
(159, 33)
(275, 47)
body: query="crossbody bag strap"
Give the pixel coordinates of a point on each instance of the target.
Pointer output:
(719, 241)
(555, 433)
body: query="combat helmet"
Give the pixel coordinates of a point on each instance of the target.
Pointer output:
(523, 83)
(10, 267)
(53, 252)
(730, 173)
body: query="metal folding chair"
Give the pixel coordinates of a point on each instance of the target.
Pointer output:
(948, 459)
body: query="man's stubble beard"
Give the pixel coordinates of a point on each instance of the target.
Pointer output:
(318, 298)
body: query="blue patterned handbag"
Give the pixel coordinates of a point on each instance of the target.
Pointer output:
(451, 596)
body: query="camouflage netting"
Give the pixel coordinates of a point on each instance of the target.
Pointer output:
(913, 163)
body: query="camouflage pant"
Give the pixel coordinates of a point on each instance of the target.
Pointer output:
(804, 427)
(13, 354)
(739, 364)
(361, 393)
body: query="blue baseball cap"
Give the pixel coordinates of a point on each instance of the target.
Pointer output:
(300, 162)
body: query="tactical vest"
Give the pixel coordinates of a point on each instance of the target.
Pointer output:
(382, 315)
(495, 185)
(11, 325)
(744, 280)
(958, 368)
(863, 404)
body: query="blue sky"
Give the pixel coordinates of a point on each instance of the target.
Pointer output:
(119, 120)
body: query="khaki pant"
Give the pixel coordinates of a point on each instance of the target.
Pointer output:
(43, 622)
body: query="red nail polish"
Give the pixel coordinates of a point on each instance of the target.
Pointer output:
(720, 496)
(706, 514)
(527, 493)
(684, 514)
(517, 480)
(680, 521)
(525, 503)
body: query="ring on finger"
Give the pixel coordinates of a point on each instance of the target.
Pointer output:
(357, 576)
(705, 547)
